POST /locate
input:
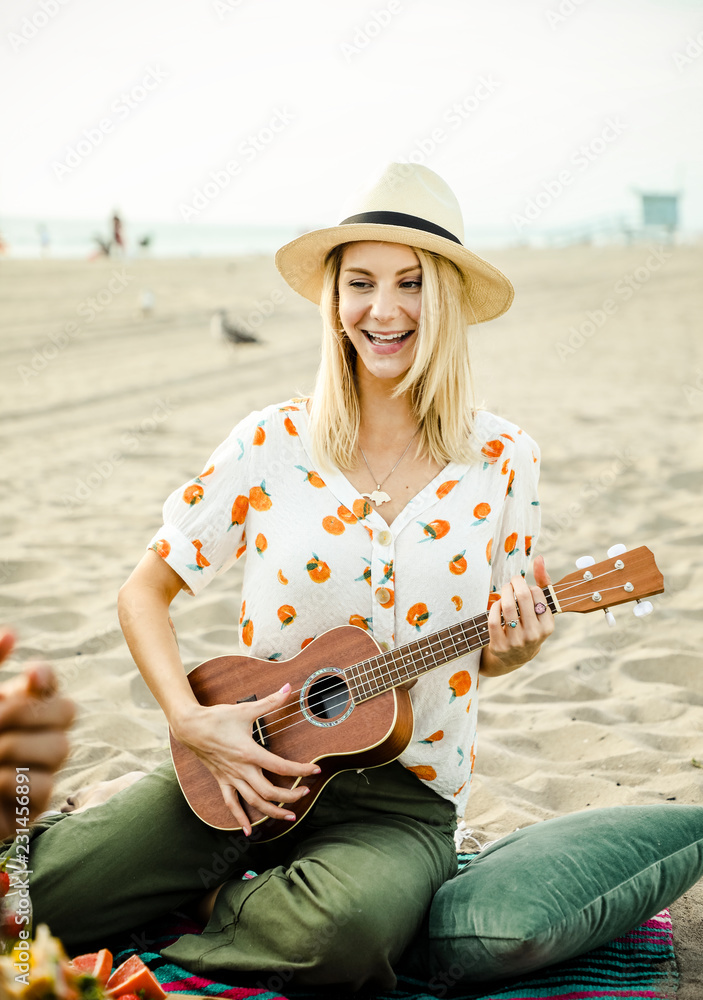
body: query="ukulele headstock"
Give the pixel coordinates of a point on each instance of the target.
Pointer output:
(627, 576)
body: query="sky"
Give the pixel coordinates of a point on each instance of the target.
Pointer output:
(275, 111)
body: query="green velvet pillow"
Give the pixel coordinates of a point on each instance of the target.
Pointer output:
(556, 889)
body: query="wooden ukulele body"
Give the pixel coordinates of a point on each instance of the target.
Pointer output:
(319, 723)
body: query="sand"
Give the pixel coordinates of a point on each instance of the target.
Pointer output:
(599, 359)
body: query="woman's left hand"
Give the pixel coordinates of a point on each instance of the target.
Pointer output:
(516, 638)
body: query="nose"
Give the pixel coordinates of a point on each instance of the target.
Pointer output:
(385, 304)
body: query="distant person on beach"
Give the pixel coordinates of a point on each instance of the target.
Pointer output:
(117, 234)
(440, 530)
(33, 723)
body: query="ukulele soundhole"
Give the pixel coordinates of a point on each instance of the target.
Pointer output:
(325, 699)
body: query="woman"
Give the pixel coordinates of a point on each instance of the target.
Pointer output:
(445, 518)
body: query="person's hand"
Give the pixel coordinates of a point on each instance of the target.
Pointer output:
(221, 736)
(511, 646)
(33, 723)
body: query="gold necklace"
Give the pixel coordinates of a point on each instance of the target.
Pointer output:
(379, 496)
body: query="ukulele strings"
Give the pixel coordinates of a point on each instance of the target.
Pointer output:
(365, 674)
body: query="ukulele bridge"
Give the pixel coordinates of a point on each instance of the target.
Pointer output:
(259, 734)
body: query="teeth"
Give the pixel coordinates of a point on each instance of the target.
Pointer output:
(387, 336)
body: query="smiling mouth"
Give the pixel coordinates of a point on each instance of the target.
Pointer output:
(386, 338)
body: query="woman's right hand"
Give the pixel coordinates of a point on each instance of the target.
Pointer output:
(221, 736)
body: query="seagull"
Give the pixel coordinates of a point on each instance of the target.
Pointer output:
(222, 329)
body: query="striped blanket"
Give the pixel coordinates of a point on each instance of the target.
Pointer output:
(639, 966)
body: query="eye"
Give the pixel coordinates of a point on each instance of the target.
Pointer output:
(359, 283)
(412, 283)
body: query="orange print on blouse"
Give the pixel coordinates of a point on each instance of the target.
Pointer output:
(424, 771)
(481, 512)
(290, 426)
(162, 548)
(489, 549)
(200, 560)
(247, 632)
(528, 545)
(281, 578)
(460, 684)
(505, 467)
(510, 544)
(434, 530)
(509, 491)
(434, 738)
(417, 616)
(332, 525)
(242, 612)
(208, 472)
(457, 601)
(306, 642)
(286, 615)
(366, 575)
(243, 547)
(457, 564)
(472, 756)
(492, 598)
(312, 477)
(261, 544)
(259, 498)
(362, 508)
(491, 451)
(460, 788)
(360, 622)
(446, 487)
(193, 494)
(240, 508)
(259, 434)
(346, 515)
(318, 571)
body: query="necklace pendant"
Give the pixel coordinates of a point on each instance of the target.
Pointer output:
(377, 497)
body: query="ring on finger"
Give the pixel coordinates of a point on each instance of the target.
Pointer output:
(512, 624)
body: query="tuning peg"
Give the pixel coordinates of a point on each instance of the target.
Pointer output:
(642, 609)
(583, 562)
(610, 617)
(616, 550)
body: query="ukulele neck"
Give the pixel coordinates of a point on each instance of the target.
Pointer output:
(389, 670)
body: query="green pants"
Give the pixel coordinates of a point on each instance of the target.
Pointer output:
(337, 899)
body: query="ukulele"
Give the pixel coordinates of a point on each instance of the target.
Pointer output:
(346, 711)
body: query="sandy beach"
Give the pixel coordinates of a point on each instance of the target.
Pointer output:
(105, 410)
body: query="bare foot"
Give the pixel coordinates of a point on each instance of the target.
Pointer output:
(99, 792)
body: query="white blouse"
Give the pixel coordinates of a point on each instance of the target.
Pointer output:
(318, 555)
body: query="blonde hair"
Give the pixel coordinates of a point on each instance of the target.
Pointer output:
(439, 381)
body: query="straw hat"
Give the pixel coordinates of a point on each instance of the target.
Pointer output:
(409, 204)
